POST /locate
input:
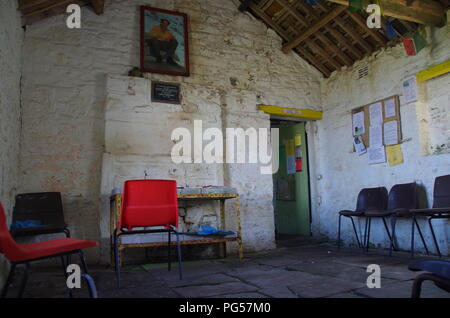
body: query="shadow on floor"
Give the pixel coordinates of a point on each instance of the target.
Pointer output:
(306, 269)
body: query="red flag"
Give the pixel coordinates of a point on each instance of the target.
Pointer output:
(409, 46)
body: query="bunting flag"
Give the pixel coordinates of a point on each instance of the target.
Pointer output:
(416, 43)
(390, 30)
(356, 5)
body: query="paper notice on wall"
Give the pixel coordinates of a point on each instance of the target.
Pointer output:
(376, 136)
(375, 114)
(298, 140)
(291, 165)
(358, 124)
(390, 133)
(389, 108)
(359, 145)
(410, 89)
(394, 155)
(376, 155)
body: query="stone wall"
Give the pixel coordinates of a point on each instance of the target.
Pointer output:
(341, 173)
(71, 76)
(11, 39)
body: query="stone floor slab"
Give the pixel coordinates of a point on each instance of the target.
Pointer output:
(214, 290)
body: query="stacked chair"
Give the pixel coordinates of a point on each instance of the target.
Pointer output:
(19, 254)
(402, 202)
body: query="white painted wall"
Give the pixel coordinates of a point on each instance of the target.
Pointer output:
(236, 63)
(340, 173)
(11, 39)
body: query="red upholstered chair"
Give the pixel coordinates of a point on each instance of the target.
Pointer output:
(25, 253)
(148, 204)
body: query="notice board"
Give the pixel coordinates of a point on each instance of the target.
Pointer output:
(383, 117)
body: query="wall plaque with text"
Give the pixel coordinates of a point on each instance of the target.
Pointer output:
(166, 93)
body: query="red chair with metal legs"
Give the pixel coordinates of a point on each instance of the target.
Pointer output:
(147, 204)
(19, 254)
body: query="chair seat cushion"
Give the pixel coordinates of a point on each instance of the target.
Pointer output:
(351, 213)
(48, 248)
(437, 267)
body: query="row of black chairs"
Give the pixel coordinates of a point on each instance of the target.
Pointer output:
(401, 202)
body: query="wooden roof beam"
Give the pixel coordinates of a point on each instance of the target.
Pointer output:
(359, 19)
(427, 12)
(309, 57)
(314, 28)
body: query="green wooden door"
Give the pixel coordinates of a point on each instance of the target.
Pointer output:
(291, 186)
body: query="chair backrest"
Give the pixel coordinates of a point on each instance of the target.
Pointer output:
(8, 246)
(372, 199)
(403, 196)
(149, 203)
(45, 207)
(441, 194)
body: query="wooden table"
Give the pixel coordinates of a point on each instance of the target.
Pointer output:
(116, 209)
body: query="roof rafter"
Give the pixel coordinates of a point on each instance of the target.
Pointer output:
(427, 12)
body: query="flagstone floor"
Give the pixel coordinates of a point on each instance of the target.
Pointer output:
(309, 270)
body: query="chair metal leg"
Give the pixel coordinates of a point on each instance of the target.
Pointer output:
(434, 236)
(388, 233)
(116, 258)
(83, 261)
(169, 262)
(91, 285)
(339, 233)
(24, 280)
(356, 232)
(412, 236)
(180, 265)
(417, 284)
(421, 236)
(87, 277)
(9, 280)
(64, 266)
(67, 232)
(368, 234)
(393, 224)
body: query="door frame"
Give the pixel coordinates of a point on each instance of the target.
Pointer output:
(293, 121)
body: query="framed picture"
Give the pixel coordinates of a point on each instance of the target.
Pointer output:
(164, 42)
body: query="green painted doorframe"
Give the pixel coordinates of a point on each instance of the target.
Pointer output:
(291, 191)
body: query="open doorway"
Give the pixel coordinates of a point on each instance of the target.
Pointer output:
(292, 208)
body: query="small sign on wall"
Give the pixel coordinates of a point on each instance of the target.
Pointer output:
(166, 93)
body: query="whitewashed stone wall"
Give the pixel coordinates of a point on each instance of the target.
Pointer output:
(340, 173)
(236, 63)
(11, 39)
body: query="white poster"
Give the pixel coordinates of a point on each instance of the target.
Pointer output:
(359, 145)
(376, 155)
(391, 133)
(389, 108)
(376, 136)
(358, 124)
(376, 114)
(410, 89)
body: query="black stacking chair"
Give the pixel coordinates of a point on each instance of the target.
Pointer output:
(44, 208)
(441, 206)
(436, 270)
(402, 200)
(368, 199)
